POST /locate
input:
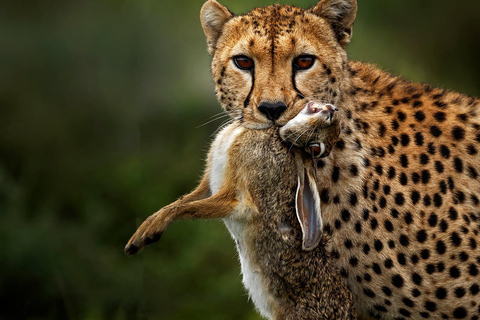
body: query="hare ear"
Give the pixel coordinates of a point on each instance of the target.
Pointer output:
(340, 14)
(307, 205)
(213, 17)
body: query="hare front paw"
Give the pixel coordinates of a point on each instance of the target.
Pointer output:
(150, 231)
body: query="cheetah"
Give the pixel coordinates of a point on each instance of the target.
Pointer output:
(400, 189)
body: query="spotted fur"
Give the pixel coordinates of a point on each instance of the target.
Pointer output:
(400, 190)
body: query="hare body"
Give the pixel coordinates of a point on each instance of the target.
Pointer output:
(268, 199)
(221, 164)
(283, 281)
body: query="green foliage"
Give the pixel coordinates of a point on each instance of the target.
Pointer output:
(102, 104)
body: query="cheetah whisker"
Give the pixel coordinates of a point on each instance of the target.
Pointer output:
(213, 119)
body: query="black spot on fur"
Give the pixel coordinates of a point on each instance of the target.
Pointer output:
(458, 133)
(404, 312)
(471, 150)
(459, 292)
(419, 139)
(415, 196)
(415, 177)
(458, 164)
(419, 116)
(405, 140)
(445, 151)
(417, 104)
(440, 116)
(454, 272)
(425, 176)
(460, 313)
(437, 200)
(421, 236)
(455, 239)
(399, 199)
(441, 293)
(335, 174)
(366, 248)
(474, 289)
(440, 247)
(431, 148)
(391, 173)
(388, 225)
(404, 161)
(424, 159)
(388, 263)
(439, 167)
(408, 218)
(435, 131)
(395, 125)
(430, 306)
(417, 279)
(387, 291)
(369, 293)
(378, 245)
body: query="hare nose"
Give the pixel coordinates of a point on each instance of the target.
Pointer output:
(314, 107)
(272, 111)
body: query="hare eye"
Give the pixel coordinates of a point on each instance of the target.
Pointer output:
(303, 62)
(316, 149)
(243, 62)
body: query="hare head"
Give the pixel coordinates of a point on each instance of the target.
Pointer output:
(316, 129)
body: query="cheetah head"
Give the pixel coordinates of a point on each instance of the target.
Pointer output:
(268, 63)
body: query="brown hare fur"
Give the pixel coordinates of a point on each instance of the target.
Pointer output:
(251, 182)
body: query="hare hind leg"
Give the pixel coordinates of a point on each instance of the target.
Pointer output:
(191, 206)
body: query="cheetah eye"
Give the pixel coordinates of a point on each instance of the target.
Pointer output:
(243, 62)
(303, 62)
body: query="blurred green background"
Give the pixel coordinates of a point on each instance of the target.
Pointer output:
(102, 105)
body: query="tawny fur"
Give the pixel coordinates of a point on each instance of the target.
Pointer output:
(258, 182)
(400, 191)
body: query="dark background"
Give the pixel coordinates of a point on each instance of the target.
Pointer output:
(101, 111)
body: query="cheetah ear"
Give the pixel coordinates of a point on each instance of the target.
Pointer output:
(213, 17)
(341, 15)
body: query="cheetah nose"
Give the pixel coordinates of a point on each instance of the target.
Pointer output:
(272, 111)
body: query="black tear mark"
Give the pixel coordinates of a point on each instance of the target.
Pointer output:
(247, 100)
(300, 94)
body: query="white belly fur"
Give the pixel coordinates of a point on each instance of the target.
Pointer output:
(252, 277)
